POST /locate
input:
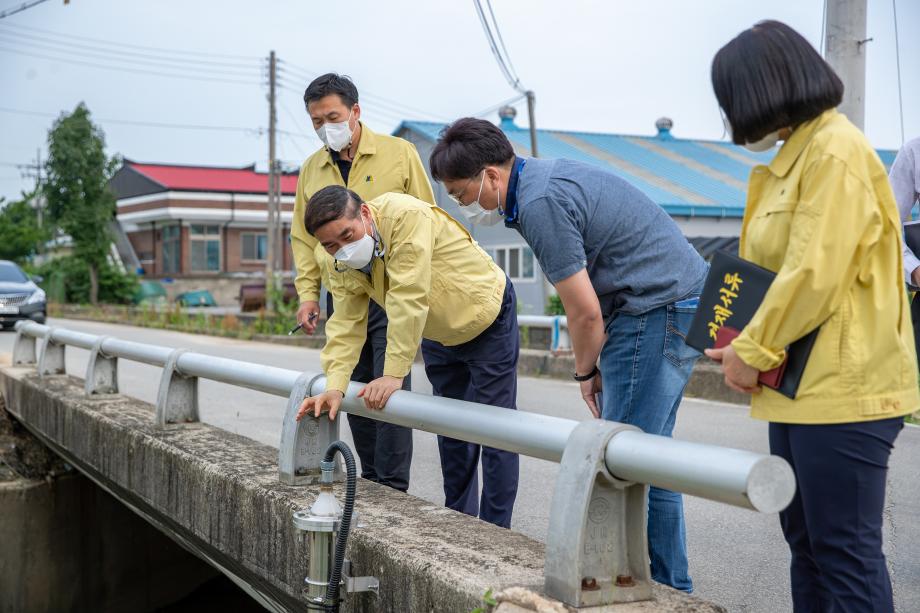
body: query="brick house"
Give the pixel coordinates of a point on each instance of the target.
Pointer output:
(200, 227)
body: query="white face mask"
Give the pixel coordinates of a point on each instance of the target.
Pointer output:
(357, 254)
(336, 136)
(480, 216)
(767, 142)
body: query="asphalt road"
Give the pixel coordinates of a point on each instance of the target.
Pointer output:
(737, 557)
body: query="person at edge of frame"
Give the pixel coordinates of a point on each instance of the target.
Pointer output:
(905, 183)
(370, 164)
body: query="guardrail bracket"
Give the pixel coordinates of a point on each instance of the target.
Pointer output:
(101, 371)
(597, 544)
(23, 347)
(51, 361)
(304, 442)
(177, 398)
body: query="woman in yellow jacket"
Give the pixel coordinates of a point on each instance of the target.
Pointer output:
(822, 216)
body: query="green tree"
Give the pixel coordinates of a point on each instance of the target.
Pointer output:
(19, 232)
(77, 191)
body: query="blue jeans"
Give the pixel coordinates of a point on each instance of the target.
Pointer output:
(645, 365)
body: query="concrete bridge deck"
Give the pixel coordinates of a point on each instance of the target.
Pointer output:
(218, 495)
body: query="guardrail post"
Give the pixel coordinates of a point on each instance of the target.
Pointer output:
(101, 371)
(560, 340)
(51, 361)
(177, 398)
(23, 346)
(596, 547)
(304, 442)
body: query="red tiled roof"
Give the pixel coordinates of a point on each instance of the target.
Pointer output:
(210, 179)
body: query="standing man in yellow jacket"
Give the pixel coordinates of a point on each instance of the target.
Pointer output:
(370, 164)
(436, 284)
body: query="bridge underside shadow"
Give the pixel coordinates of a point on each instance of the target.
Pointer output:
(68, 545)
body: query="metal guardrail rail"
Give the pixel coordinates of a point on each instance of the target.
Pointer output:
(557, 324)
(596, 549)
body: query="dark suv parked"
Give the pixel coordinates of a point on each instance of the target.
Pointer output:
(20, 298)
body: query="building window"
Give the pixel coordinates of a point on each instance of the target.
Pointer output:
(517, 262)
(255, 246)
(205, 248)
(171, 248)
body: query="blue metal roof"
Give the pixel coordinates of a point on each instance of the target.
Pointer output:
(686, 177)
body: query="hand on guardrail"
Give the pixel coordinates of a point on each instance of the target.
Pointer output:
(308, 316)
(589, 390)
(378, 392)
(326, 402)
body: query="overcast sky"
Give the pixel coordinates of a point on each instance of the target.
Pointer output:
(595, 66)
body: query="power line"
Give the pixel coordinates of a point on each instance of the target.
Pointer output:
(495, 107)
(293, 134)
(115, 60)
(307, 75)
(183, 52)
(70, 45)
(387, 115)
(125, 69)
(375, 99)
(148, 124)
(296, 123)
(507, 68)
(21, 8)
(382, 106)
(501, 41)
(823, 26)
(512, 79)
(297, 146)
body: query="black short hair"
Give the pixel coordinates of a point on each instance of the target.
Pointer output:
(769, 77)
(329, 204)
(467, 146)
(329, 84)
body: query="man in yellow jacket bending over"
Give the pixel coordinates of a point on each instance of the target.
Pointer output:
(438, 288)
(370, 164)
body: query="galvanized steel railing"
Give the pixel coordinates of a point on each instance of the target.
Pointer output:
(598, 513)
(558, 326)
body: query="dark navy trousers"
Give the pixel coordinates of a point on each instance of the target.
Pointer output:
(483, 370)
(385, 450)
(834, 523)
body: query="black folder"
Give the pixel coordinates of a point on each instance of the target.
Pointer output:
(731, 295)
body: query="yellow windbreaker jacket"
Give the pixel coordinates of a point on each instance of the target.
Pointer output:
(822, 216)
(433, 280)
(382, 164)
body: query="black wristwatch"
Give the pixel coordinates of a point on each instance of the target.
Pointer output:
(588, 376)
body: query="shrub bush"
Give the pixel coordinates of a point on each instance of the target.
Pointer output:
(66, 280)
(554, 305)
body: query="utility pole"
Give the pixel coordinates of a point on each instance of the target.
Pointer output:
(546, 287)
(39, 198)
(270, 233)
(845, 51)
(531, 117)
(276, 224)
(34, 171)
